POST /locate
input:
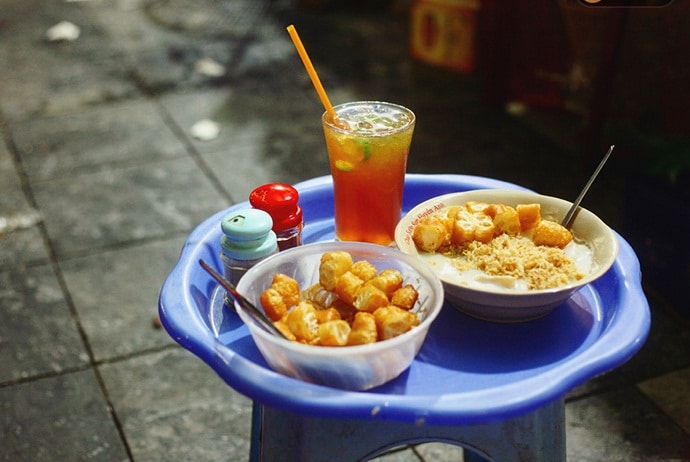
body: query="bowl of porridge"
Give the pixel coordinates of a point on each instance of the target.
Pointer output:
(502, 255)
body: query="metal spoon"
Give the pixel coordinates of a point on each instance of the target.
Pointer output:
(248, 306)
(568, 216)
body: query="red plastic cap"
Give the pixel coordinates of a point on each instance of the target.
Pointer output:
(279, 200)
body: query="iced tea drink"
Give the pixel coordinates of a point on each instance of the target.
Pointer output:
(368, 145)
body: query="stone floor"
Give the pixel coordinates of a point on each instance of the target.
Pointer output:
(101, 180)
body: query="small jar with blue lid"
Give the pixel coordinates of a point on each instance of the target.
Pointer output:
(246, 240)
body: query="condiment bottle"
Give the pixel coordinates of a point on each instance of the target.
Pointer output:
(246, 240)
(281, 201)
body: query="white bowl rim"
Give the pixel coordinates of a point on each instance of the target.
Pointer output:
(318, 350)
(590, 277)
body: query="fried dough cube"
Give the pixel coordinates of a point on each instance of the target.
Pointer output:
(430, 234)
(282, 326)
(392, 321)
(388, 280)
(363, 329)
(288, 288)
(405, 297)
(476, 207)
(318, 295)
(551, 234)
(329, 314)
(346, 287)
(363, 270)
(448, 214)
(333, 265)
(505, 218)
(470, 226)
(273, 304)
(369, 298)
(529, 215)
(493, 209)
(302, 322)
(334, 333)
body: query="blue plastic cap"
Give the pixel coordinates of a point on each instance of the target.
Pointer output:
(247, 234)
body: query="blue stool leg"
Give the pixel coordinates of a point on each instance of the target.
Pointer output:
(471, 456)
(257, 418)
(538, 436)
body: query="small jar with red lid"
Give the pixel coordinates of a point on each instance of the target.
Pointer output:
(281, 202)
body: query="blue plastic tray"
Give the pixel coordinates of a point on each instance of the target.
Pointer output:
(468, 370)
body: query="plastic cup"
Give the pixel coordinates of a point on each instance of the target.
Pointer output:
(368, 145)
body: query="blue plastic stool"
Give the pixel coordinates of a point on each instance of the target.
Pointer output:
(496, 389)
(281, 435)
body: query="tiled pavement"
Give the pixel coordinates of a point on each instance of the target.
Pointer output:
(96, 139)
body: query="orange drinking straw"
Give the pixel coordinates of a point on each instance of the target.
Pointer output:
(311, 71)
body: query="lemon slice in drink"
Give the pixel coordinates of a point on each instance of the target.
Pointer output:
(344, 165)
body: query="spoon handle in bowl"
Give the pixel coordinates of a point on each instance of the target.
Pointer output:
(248, 306)
(576, 204)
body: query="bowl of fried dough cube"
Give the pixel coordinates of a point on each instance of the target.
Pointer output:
(503, 255)
(354, 314)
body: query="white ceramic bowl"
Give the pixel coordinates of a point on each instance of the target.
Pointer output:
(512, 306)
(357, 367)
